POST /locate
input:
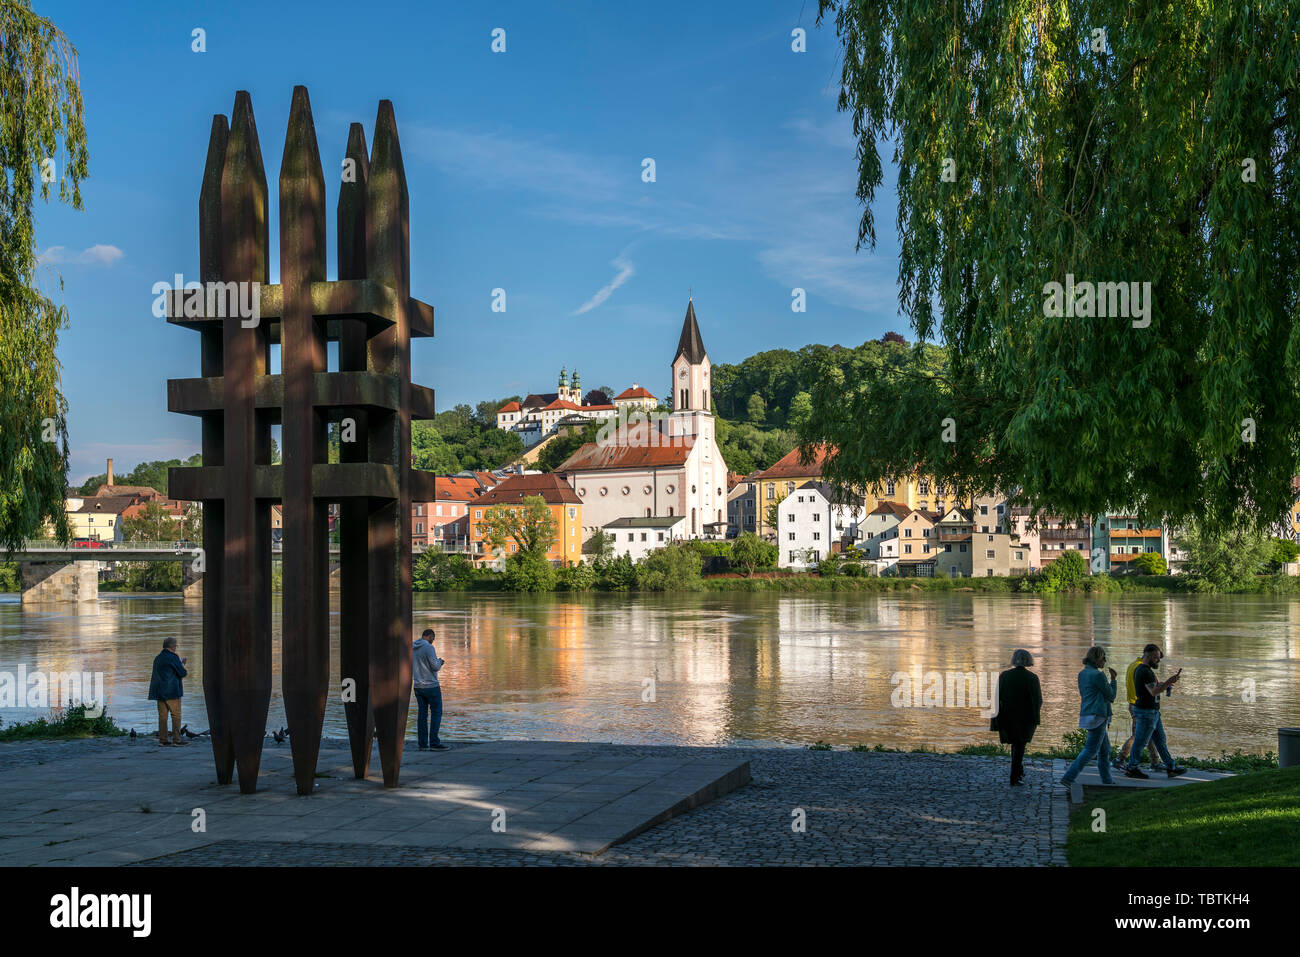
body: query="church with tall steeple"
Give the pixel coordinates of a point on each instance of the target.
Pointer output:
(659, 466)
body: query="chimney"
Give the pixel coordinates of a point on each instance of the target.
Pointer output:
(109, 483)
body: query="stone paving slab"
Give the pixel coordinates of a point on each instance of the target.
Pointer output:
(138, 801)
(870, 809)
(1090, 778)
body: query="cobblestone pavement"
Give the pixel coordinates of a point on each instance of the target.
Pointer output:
(859, 809)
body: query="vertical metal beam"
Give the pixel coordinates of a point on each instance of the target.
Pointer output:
(388, 261)
(305, 618)
(214, 530)
(354, 591)
(246, 572)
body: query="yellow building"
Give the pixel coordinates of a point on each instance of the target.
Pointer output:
(564, 505)
(99, 517)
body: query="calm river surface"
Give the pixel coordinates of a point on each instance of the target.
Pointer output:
(738, 668)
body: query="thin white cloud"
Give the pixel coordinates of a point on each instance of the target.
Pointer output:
(625, 272)
(97, 255)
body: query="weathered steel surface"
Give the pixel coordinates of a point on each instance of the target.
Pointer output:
(370, 312)
(354, 539)
(305, 622)
(246, 614)
(214, 529)
(389, 434)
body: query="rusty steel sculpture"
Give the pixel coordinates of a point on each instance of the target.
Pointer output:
(370, 399)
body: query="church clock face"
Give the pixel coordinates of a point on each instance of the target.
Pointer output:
(682, 374)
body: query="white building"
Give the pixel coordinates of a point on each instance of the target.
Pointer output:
(659, 464)
(808, 523)
(638, 537)
(538, 415)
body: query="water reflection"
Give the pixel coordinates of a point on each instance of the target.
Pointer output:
(741, 668)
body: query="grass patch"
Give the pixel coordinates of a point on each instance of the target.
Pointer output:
(1250, 820)
(69, 722)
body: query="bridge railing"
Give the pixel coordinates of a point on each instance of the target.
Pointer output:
(52, 545)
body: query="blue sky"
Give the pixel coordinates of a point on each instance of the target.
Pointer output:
(524, 172)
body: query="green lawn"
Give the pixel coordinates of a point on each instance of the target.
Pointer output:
(1249, 820)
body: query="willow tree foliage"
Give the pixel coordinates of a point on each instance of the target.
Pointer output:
(1082, 143)
(42, 141)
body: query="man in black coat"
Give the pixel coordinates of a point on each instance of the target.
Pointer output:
(1020, 705)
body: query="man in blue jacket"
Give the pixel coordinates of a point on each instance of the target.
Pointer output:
(165, 688)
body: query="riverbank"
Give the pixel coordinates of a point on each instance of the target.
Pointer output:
(800, 808)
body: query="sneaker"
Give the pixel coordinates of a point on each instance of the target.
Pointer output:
(1135, 773)
(1119, 765)
(1174, 772)
(439, 747)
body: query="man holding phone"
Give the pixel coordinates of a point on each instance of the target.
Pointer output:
(1146, 713)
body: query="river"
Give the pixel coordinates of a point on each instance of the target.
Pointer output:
(742, 668)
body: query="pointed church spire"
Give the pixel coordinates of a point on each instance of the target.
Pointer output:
(690, 344)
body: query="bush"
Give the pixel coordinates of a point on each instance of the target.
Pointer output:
(830, 565)
(529, 573)
(674, 568)
(618, 574)
(577, 577)
(73, 722)
(437, 571)
(749, 553)
(1150, 563)
(853, 569)
(1069, 572)
(10, 580)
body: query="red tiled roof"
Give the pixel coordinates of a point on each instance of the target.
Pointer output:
(790, 466)
(486, 479)
(891, 508)
(574, 407)
(640, 392)
(509, 407)
(516, 488)
(633, 446)
(453, 489)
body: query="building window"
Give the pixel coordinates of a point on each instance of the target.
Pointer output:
(817, 536)
(661, 536)
(817, 517)
(791, 534)
(907, 549)
(925, 487)
(643, 534)
(573, 513)
(889, 488)
(419, 528)
(631, 537)
(790, 517)
(1020, 557)
(989, 554)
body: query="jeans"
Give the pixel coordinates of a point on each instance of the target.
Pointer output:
(430, 701)
(172, 707)
(1149, 729)
(1097, 746)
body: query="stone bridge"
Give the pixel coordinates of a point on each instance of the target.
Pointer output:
(53, 572)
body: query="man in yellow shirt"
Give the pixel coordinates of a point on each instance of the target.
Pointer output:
(1122, 761)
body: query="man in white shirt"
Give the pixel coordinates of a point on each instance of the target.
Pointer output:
(425, 665)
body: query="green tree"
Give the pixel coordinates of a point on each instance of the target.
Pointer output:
(800, 410)
(530, 526)
(1032, 146)
(528, 572)
(671, 568)
(1150, 563)
(42, 139)
(1223, 559)
(436, 570)
(600, 547)
(756, 409)
(577, 577)
(750, 552)
(154, 523)
(1069, 572)
(1285, 551)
